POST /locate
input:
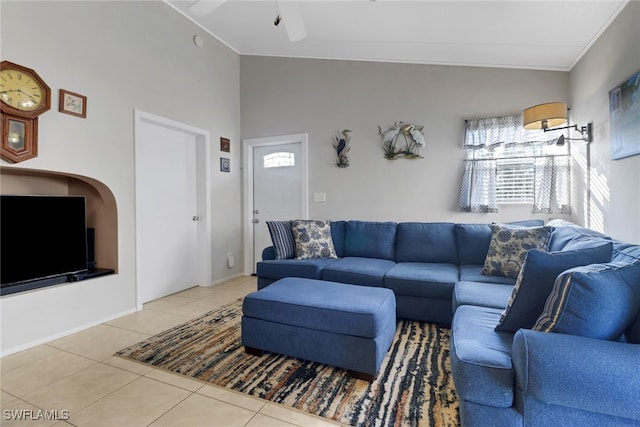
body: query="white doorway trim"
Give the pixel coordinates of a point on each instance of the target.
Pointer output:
(203, 178)
(248, 145)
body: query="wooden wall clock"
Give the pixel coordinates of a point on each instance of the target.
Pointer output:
(23, 97)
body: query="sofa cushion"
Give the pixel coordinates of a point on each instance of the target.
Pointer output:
(337, 233)
(596, 301)
(472, 240)
(358, 271)
(282, 239)
(419, 279)
(625, 252)
(493, 295)
(471, 273)
(565, 231)
(585, 242)
(509, 245)
(481, 357)
(536, 279)
(277, 269)
(370, 240)
(426, 242)
(313, 239)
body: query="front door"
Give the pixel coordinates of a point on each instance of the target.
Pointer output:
(278, 187)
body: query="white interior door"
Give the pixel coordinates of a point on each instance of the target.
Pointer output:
(167, 209)
(277, 187)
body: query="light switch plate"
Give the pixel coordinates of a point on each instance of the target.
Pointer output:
(319, 197)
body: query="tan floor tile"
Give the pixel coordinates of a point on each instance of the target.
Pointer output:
(19, 413)
(105, 346)
(195, 293)
(81, 337)
(263, 421)
(234, 398)
(198, 410)
(149, 322)
(177, 380)
(240, 286)
(221, 298)
(38, 374)
(283, 413)
(5, 397)
(24, 357)
(128, 365)
(80, 389)
(166, 303)
(136, 404)
(194, 308)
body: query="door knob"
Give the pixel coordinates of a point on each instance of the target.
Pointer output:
(255, 220)
(195, 218)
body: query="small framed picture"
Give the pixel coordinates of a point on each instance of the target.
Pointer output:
(225, 165)
(73, 103)
(225, 145)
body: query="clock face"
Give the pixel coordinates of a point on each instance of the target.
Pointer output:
(20, 90)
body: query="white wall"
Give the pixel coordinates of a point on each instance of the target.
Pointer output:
(615, 184)
(284, 96)
(121, 55)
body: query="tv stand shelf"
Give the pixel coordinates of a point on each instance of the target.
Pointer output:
(52, 281)
(92, 274)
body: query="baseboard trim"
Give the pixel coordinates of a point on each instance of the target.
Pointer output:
(31, 344)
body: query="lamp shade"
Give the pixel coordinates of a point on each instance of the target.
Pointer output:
(545, 116)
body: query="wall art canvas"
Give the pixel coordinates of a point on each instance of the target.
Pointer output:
(624, 108)
(225, 164)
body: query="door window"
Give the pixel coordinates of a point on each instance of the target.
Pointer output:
(279, 160)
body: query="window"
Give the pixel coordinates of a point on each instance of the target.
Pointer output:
(279, 160)
(507, 164)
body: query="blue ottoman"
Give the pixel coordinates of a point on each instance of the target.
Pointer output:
(341, 325)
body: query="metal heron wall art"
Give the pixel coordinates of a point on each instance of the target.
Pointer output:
(413, 140)
(341, 145)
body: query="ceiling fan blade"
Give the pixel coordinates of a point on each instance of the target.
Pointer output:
(292, 19)
(204, 7)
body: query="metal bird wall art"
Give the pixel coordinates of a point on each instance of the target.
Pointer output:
(412, 136)
(341, 145)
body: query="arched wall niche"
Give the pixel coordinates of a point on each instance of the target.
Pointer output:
(102, 212)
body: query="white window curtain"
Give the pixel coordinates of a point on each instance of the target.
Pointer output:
(552, 185)
(491, 143)
(478, 190)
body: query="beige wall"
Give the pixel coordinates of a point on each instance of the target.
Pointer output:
(122, 56)
(284, 96)
(615, 184)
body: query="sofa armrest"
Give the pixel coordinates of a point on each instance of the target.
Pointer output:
(268, 253)
(570, 371)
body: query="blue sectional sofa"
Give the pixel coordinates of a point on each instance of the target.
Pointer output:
(514, 375)
(420, 262)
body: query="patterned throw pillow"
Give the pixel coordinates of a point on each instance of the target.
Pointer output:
(282, 239)
(313, 239)
(596, 301)
(509, 245)
(536, 280)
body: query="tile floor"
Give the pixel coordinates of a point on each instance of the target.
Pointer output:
(79, 377)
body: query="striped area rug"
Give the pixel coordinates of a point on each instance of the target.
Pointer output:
(414, 386)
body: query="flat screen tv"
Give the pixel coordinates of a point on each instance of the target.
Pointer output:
(42, 239)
